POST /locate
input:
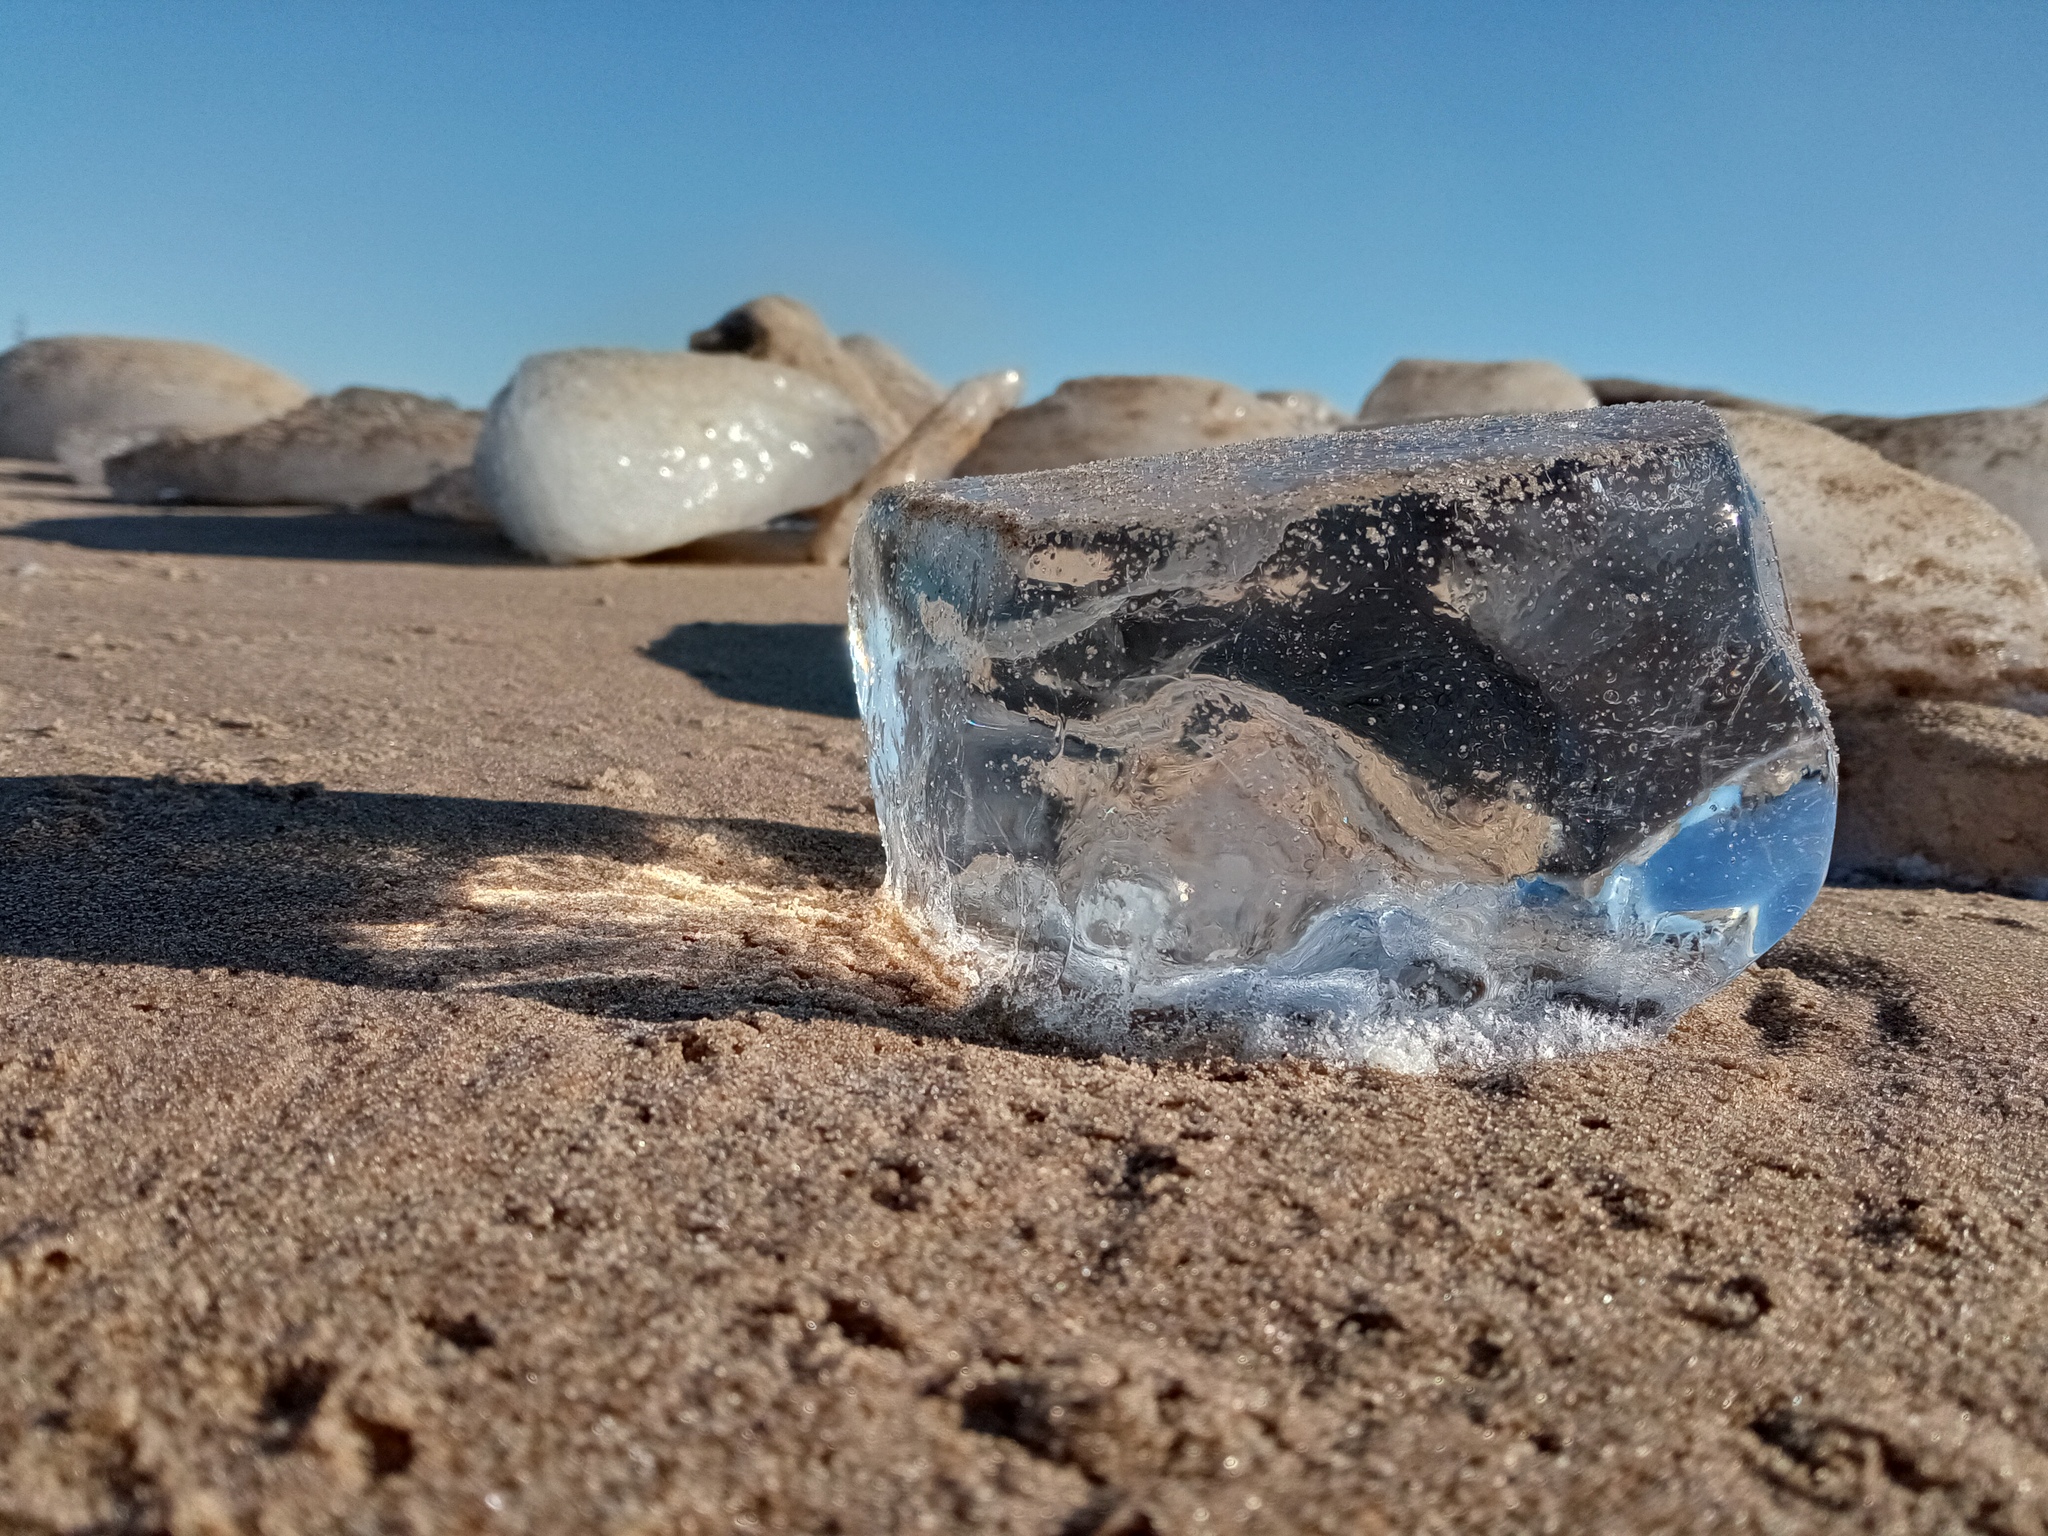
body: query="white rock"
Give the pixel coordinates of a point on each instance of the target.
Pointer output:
(115, 384)
(603, 454)
(355, 448)
(1118, 416)
(1428, 389)
(2001, 455)
(1901, 587)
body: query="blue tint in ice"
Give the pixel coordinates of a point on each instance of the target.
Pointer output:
(1764, 861)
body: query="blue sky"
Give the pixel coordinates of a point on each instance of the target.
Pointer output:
(1841, 205)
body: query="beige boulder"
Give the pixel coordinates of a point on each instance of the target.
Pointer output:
(781, 330)
(906, 386)
(1313, 414)
(935, 445)
(1944, 791)
(84, 451)
(1901, 587)
(2001, 455)
(1642, 392)
(452, 497)
(1117, 416)
(1430, 389)
(354, 448)
(116, 385)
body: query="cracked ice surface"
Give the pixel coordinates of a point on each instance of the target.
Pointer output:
(1476, 740)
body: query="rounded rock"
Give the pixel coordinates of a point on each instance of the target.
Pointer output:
(2002, 455)
(603, 454)
(1944, 791)
(1901, 586)
(778, 329)
(1125, 416)
(115, 385)
(355, 448)
(907, 387)
(453, 498)
(1313, 412)
(1616, 391)
(1431, 389)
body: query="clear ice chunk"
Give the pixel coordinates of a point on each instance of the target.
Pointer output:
(1478, 739)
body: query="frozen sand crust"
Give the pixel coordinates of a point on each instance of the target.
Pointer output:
(881, 1241)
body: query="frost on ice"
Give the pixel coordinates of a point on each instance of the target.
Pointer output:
(1479, 739)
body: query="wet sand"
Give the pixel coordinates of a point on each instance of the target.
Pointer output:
(455, 1075)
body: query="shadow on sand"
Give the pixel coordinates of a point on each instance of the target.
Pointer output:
(599, 910)
(787, 666)
(296, 533)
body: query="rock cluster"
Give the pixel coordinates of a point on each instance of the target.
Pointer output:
(889, 392)
(606, 455)
(2001, 455)
(1912, 547)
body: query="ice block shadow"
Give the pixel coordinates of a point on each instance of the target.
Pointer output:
(598, 910)
(296, 533)
(784, 666)
(582, 907)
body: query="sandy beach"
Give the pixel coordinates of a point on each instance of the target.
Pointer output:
(456, 1074)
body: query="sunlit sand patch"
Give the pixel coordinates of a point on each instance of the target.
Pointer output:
(706, 931)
